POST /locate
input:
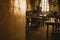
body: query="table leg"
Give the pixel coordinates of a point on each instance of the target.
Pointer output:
(47, 33)
(53, 32)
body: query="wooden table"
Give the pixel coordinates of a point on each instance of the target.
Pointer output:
(53, 25)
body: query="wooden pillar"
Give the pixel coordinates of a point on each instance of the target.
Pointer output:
(12, 23)
(18, 20)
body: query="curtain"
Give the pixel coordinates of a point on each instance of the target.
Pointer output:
(39, 2)
(50, 1)
(32, 3)
(28, 5)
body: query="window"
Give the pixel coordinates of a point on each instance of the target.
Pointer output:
(45, 5)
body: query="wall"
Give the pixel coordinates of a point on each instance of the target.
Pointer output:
(12, 27)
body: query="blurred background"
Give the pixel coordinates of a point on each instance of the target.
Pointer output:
(29, 19)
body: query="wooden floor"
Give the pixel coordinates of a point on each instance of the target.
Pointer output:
(39, 33)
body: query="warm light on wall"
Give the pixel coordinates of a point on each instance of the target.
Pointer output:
(18, 6)
(23, 4)
(18, 19)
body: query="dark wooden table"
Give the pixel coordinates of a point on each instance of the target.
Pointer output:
(54, 24)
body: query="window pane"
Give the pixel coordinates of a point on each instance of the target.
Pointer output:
(48, 7)
(47, 10)
(42, 9)
(43, 1)
(45, 5)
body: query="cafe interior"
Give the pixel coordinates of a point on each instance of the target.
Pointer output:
(43, 20)
(29, 19)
